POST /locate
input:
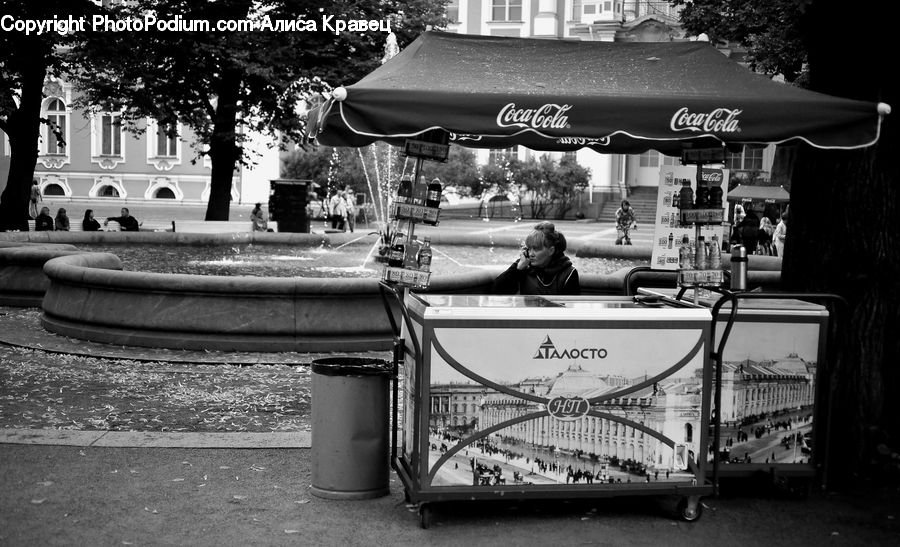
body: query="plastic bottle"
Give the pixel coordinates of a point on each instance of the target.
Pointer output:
(419, 190)
(686, 195)
(692, 256)
(398, 251)
(715, 194)
(411, 253)
(700, 254)
(684, 254)
(702, 199)
(433, 197)
(404, 190)
(715, 254)
(671, 239)
(425, 255)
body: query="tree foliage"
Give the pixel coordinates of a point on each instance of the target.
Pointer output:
(460, 171)
(26, 60)
(552, 188)
(224, 85)
(771, 30)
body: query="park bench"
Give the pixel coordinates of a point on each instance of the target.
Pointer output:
(211, 226)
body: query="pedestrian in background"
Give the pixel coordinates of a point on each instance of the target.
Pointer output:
(62, 220)
(259, 221)
(127, 223)
(625, 222)
(350, 205)
(766, 231)
(780, 234)
(43, 222)
(35, 199)
(90, 224)
(338, 211)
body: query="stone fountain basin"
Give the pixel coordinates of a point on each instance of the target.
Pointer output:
(88, 296)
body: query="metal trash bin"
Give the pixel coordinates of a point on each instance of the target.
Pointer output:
(350, 426)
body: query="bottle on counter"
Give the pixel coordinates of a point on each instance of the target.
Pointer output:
(686, 195)
(676, 202)
(685, 252)
(700, 256)
(425, 255)
(739, 268)
(404, 190)
(433, 197)
(715, 254)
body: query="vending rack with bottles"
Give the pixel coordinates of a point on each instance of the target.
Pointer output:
(407, 261)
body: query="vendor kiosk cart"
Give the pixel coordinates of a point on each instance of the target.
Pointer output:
(559, 397)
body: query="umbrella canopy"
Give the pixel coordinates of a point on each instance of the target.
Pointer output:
(768, 194)
(616, 97)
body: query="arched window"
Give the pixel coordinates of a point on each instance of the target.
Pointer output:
(54, 190)
(165, 193)
(56, 123)
(688, 433)
(108, 192)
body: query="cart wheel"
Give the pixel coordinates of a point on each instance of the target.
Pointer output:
(426, 515)
(690, 509)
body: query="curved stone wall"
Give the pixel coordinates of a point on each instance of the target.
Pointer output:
(88, 296)
(22, 279)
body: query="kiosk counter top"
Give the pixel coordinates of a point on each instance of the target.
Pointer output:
(550, 308)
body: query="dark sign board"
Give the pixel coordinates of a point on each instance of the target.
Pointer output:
(693, 156)
(427, 150)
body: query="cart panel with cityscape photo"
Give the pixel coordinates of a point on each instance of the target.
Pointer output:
(521, 396)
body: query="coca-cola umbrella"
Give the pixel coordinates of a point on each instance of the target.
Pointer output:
(616, 97)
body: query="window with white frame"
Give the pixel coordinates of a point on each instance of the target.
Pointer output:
(56, 122)
(166, 140)
(110, 126)
(649, 158)
(506, 10)
(748, 159)
(453, 11)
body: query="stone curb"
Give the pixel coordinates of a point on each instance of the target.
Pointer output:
(148, 439)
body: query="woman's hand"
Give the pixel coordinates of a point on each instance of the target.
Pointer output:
(524, 259)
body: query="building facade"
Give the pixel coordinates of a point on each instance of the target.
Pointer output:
(101, 159)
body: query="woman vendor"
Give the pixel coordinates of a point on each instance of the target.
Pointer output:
(542, 268)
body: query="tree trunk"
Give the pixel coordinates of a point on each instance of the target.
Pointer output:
(24, 130)
(844, 220)
(224, 151)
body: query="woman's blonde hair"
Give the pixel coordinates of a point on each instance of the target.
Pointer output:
(546, 236)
